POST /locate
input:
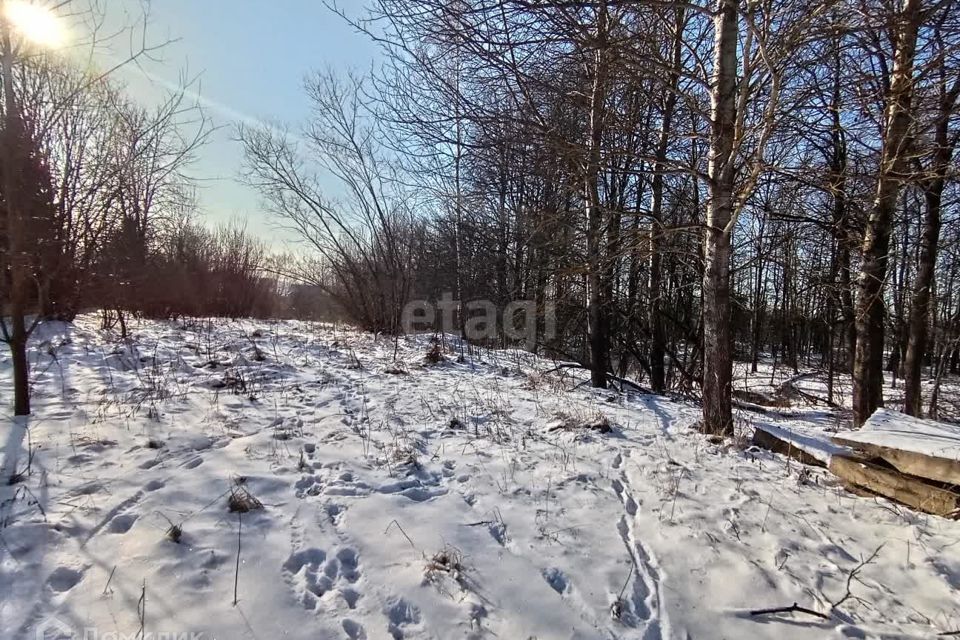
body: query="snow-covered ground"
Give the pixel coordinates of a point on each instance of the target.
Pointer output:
(403, 499)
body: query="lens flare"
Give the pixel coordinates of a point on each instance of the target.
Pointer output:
(35, 22)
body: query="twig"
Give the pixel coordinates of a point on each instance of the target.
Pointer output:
(107, 586)
(616, 609)
(394, 522)
(794, 608)
(142, 609)
(852, 575)
(633, 567)
(236, 577)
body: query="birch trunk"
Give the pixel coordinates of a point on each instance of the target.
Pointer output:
(717, 363)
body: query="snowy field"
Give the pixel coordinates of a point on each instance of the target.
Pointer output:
(390, 497)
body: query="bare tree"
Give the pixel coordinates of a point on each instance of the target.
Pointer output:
(943, 136)
(369, 239)
(894, 161)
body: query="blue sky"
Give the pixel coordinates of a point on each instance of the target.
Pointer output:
(250, 57)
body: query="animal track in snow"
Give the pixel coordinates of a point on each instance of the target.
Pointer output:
(313, 574)
(343, 484)
(400, 615)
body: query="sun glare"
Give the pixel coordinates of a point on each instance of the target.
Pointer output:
(35, 22)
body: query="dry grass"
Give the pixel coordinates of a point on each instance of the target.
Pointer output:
(446, 563)
(435, 353)
(242, 501)
(579, 422)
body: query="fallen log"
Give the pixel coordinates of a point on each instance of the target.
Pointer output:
(890, 483)
(923, 448)
(779, 441)
(909, 462)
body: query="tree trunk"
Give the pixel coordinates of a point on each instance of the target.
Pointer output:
(933, 188)
(657, 335)
(899, 346)
(759, 301)
(21, 369)
(920, 306)
(658, 338)
(597, 312)
(868, 365)
(717, 361)
(16, 258)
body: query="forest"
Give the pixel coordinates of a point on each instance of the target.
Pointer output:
(688, 185)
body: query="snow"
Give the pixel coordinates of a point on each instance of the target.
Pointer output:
(888, 428)
(807, 439)
(407, 500)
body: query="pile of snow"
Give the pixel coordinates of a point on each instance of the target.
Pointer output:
(399, 499)
(895, 430)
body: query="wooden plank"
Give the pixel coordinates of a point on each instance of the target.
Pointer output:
(892, 484)
(773, 442)
(909, 462)
(924, 448)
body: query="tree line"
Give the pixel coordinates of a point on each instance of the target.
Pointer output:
(97, 207)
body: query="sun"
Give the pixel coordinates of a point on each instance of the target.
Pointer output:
(35, 22)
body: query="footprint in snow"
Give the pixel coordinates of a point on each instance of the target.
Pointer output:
(498, 531)
(556, 578)
(354, 630)
(63, 579)
(335, 512)
(309, 485)
(412, 489)
(400, 615)
(321, 483)
(629, 504)
(121, 523)
(312, 574)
